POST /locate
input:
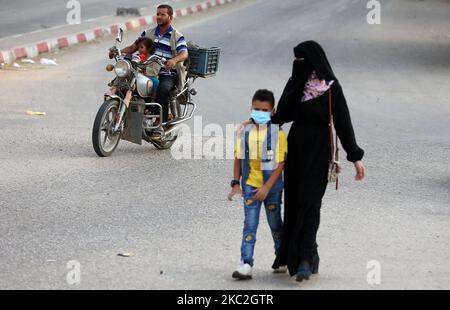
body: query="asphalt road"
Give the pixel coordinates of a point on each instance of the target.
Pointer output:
(21, 16)
(59, 202)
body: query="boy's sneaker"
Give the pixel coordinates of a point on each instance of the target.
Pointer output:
(244, 272)
(281, 269)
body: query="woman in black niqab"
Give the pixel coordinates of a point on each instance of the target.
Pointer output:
(309, 154)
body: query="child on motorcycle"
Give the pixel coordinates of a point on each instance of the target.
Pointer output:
(146, 53)
(146, 50)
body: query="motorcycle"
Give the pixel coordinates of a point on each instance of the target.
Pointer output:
(131, 114)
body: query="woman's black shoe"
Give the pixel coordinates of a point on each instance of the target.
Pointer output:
(304, 271)
(315, 264)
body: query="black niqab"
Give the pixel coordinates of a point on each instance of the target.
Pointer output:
(314, 59)
(315, 55)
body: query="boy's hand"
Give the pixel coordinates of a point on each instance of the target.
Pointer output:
(242, 126)
(235, 190)
(261, 193)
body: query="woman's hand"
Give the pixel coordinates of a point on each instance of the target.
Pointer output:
(261, 193)
(242, 126)
(235, 190)
(360, 171)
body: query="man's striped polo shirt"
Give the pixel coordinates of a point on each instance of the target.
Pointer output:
(163, 48)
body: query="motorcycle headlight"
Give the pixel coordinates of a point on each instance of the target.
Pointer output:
(122, 68)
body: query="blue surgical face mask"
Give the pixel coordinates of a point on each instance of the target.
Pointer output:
(261, 117)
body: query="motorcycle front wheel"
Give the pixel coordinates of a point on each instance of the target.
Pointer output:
(103, 138)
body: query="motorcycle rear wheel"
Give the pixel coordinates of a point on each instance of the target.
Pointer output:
(104, 140)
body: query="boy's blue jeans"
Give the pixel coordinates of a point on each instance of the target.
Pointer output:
(252, 210)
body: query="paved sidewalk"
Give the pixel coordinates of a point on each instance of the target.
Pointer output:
(36, 43)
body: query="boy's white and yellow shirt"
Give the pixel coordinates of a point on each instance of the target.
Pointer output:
(256, 141)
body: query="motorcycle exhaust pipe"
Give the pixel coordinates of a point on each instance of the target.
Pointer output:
(173, 108)
(171, 130)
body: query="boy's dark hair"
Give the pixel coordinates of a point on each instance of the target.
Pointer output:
(264, 95)
(168, 7)
(147, 42)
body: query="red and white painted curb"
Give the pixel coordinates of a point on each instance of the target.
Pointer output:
(46, 46)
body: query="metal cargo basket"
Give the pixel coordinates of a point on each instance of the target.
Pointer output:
(203, 62)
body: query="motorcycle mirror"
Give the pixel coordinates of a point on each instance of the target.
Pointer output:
(119, 35)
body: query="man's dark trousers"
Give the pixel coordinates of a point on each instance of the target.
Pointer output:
(167, 84)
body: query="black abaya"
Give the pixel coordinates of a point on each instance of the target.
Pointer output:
(309, 154)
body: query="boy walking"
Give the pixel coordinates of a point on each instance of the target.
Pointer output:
(260, 153)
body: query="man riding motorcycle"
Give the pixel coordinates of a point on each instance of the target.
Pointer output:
(170, 44)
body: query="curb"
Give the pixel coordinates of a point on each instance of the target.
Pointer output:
(49, 45)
